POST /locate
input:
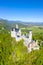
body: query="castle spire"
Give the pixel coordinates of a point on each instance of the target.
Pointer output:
(16, 26)
(30, 36)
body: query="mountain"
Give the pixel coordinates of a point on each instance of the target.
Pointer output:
(9, 24)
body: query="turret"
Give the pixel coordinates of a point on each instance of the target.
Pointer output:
(16, 26)
(30, 36)
(13, 34)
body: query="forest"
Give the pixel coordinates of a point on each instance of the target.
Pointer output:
(15, 53)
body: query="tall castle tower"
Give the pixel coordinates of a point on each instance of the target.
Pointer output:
(15, 32)
(16, 26)
(30, 36)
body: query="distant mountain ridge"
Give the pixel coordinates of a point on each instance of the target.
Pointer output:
(9, 24)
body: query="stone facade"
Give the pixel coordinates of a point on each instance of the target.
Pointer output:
(28, 42)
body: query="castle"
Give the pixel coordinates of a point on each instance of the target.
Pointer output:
(28, 42)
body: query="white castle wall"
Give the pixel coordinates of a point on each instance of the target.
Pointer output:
(19, 33)
(27, 41)
(13, 34)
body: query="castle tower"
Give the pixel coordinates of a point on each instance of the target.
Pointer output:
(16, 26)
(20, 32)
(13, 34)
(30, 36)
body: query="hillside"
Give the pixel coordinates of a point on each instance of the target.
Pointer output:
(9, 24)
(15, 53)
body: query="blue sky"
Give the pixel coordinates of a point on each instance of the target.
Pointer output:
(23, 10)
